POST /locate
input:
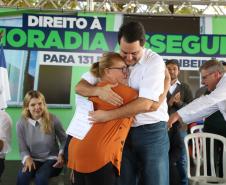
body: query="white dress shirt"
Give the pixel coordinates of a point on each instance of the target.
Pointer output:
(174, 86)
(206, 105)
(5, 132)
(147, 76)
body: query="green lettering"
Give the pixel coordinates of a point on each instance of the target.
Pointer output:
(117, 48)
(174, 44)
(213, 49)
(99, 42)
(147, 44)
(86, 41)
(54, 40)
(191, 44)
(72, 40)
(158, 43)
(3, 39)
(35, 39)
(223, 45)
(17, 38)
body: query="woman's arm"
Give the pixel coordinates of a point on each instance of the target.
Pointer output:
(24, 151)
(23, 146)
(105, 93)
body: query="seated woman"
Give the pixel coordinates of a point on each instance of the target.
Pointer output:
(39, 133)
(96, 159)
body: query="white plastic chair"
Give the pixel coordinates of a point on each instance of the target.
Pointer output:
(196, 128)
(200, 176)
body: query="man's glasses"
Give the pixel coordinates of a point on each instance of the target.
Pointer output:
(206, 76)
(123, 69)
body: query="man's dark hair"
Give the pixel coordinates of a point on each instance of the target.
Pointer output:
(174, 62)
(132, 32)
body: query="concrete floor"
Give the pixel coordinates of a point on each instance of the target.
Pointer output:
(11, 170)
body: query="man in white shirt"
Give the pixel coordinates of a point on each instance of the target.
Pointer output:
(214, 78)
(145, 154)
(5, 137)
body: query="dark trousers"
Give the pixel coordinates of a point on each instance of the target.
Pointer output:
(41, 175)
(2, 166)
(217, 125)
(175, 152)
(105, 176)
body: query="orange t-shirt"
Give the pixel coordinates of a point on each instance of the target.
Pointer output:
(104, 142)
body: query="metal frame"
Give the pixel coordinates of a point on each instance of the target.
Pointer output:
(161, 7)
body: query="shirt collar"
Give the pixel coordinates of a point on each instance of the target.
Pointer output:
(142, 58)
(33, 122)
(177, 82)
(221, 80)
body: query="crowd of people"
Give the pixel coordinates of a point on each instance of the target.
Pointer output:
(133, 93)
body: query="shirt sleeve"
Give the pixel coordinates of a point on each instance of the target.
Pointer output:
(23, 148)
(152, 83)
(197, 115)
(207, 103)
(5, 132)
(90, 78)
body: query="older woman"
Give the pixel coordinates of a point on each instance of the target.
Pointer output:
(96, 159)
(39, 133)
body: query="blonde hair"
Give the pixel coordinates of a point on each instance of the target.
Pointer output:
(46, 126)
(106, 61)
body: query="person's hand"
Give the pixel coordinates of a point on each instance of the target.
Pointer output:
(99, 116)
(72, 177)
(106, 94)
(174, 99)
(177, 98)
(155, 106)
(29, 165)
(60, 161)
(173, 118)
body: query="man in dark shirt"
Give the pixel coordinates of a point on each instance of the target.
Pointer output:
(179, 95)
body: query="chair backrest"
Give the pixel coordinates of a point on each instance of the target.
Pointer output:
(201, 140)
(196, 128)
